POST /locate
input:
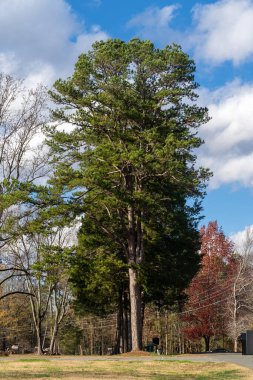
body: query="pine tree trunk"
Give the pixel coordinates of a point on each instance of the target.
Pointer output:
(125, 323)
(120, 327)
(207, 342)
(135, 307)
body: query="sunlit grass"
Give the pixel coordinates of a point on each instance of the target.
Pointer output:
(44, 368)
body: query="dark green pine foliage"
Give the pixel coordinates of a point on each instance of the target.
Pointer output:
(167, 272)
(99, 270)
(128, 164)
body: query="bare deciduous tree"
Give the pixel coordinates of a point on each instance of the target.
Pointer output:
(38, 260)
(22, 114)
(23, 157)
(240, 300)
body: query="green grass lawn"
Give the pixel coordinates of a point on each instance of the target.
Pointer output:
(43, 368)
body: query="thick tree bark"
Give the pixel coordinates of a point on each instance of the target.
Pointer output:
(135, 257)
(125, 323)
(120, 328)
(135, 305)
(207, 342)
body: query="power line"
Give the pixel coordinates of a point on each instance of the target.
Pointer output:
(201, 307)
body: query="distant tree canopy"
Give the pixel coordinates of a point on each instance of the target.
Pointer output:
(127, 166)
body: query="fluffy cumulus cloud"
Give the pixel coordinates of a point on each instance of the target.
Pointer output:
(228, 150)
(41, 39)
(224, 31)
(154, 24)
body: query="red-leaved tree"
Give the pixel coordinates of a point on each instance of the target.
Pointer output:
(208, 291)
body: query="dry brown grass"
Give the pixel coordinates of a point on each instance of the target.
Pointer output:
(31, 368)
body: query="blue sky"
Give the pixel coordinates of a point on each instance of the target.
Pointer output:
(40, 41)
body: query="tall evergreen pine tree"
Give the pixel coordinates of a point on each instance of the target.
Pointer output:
(128, 164)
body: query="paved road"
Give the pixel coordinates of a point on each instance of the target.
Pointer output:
(242, 360)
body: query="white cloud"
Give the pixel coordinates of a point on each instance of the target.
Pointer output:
(154, 24)
(224, 31)
(154, 17)
(8, 62)
(228, 150)
(84, 41)
(243, 240)
(41, 39)
(238, 238)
